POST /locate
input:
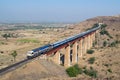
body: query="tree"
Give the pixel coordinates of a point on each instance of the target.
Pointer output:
(14, 54)
(5, 36)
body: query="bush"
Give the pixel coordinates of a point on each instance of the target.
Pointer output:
(113, 44)
(105, 43)
(106, 65)
(90, 51)
(78, 69)
(103, 26)
(75, 70)
(102, 32)
(91, 60)
(90, 72)
(72, 71)
(109, 70)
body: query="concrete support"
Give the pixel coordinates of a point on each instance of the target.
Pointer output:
(80, 53)
(87, 42)
(85, 45)
(67, 57)
(97, 37)
(74, 54)
(91, 40)
(93, 37)
(57, 57)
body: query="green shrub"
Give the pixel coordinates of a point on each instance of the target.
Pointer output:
(91, 60)
(90, 72)
(117, 42)
(78, 69)
(109, 70)
(94, 26)
(75, 70)
(102, 32)
(90, 51)
(113, 44)
(105, 43)
(106, 65)
(72, 71)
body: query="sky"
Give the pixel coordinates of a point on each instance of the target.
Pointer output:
(19, 11)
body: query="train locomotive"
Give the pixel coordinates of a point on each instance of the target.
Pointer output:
(38, 51)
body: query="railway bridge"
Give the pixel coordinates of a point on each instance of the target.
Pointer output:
(69, 51)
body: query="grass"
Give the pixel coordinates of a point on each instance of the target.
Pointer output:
(28, 41)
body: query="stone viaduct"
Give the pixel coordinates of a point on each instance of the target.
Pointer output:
(70, 53)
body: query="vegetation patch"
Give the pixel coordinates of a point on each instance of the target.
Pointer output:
(90, 51)
(104, 31)
(94, 26)
(91, 60)
(28, 41)
(72, 71)
(2, 43)
(113, 44)
(90, 72)
(106, 65)
(109, 70)
(75, 70)
(105, 43)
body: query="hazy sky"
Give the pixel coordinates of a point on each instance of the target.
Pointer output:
(56, 10)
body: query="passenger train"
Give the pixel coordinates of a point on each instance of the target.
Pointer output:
(41, 50)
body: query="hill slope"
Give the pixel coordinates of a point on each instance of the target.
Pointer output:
(38, 70)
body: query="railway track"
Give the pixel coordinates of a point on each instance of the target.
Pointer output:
(13, 66)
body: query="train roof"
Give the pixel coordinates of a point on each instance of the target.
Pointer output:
(40, 48)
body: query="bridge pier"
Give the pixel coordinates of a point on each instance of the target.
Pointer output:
(91, 40)
(85, 44)
(89, 44)
(80, 51)
(67, 56)
(57, 57)
(74, 54)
